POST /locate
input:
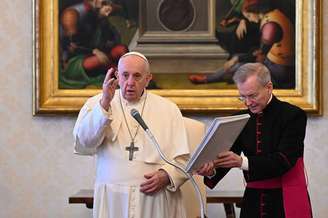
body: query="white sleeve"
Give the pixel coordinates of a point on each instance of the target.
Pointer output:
(177, 178)
(244, 163)
(89, 129)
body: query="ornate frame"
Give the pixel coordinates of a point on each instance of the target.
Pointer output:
(49, 99)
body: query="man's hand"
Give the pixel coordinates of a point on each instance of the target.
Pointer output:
(228, 159)
(206, 170)
(227, 65)
(108, 88)
(241, 29)
(155, 181)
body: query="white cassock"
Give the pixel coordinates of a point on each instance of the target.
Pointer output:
(106, 135)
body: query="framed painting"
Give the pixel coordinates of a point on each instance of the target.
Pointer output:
(192, 46)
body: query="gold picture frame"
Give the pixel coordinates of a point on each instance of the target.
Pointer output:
(49, 99)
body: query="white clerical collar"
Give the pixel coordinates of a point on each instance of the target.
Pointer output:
(269, 99)
(127, 103)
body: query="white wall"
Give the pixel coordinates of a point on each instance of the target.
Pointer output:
(38, 170)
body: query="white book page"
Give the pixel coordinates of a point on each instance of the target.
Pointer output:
(219, 137)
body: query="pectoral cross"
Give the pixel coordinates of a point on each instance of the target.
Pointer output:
(131, 149)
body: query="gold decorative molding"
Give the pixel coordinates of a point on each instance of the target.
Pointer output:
(49, 99)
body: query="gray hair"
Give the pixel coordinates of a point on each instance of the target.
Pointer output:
(245, 71)
(138, 54)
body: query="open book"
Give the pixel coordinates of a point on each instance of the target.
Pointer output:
(219, 137)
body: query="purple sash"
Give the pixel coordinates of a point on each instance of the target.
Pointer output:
(294, 192)
(296, 199)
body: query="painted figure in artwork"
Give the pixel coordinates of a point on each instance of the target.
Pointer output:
(89, 42)
(276, 50)
(235, 33)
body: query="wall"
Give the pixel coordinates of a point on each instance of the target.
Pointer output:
(38, 170)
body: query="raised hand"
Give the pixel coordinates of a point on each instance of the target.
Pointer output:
(108, 88)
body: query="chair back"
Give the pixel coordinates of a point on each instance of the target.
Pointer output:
(195, 132)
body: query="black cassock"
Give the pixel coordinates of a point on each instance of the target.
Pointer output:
(272, 142)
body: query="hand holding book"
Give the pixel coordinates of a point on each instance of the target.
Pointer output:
(219, 138)
(226, 159)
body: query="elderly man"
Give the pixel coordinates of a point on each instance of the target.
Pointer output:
(132, 180)
(272, 143)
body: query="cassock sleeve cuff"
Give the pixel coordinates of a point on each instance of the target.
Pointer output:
(211, 176)
(244, 163)
(170, 170)
(105, 113)
(176, 177)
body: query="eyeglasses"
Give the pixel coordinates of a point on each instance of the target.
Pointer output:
(252, 97)
(255, 96)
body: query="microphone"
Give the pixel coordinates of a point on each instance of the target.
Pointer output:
(136, 115)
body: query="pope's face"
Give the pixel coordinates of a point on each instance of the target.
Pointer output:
(254, 94)
(133, 77)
